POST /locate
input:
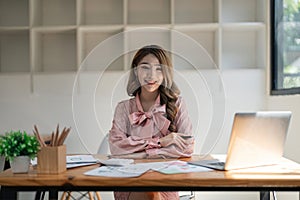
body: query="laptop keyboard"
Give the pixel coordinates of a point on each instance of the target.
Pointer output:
(217, 164)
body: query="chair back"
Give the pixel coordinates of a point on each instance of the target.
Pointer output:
(104, 146)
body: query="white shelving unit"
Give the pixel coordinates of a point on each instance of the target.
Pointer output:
(54, 36)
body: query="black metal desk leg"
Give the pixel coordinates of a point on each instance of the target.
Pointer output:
(53, 194)
(40, 194)
(264, 195)
(8, 193)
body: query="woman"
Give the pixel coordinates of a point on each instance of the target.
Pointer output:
(155, 123)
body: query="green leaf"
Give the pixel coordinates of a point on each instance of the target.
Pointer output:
(17, 143)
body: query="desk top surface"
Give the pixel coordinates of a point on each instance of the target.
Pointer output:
(283, 176)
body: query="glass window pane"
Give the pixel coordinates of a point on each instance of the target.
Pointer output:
(286, 44)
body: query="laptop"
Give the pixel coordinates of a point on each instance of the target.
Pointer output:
(257, 139)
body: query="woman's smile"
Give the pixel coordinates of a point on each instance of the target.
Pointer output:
(151, 82)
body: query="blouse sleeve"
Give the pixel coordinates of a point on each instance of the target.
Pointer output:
(120, 142)
(183, 125)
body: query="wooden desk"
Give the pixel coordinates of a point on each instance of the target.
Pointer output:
(236, 180)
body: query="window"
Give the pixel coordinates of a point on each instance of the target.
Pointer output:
(285, 47)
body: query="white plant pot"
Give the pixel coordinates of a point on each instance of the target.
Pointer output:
(20, 164)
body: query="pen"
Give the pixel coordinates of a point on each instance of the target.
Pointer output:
(186, 136)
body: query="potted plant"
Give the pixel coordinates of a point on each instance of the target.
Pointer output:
(19, 147)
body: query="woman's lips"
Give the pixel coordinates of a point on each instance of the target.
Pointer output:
(150, 82)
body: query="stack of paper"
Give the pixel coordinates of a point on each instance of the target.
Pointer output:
(80, 160)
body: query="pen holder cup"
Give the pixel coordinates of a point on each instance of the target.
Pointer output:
(51, 160)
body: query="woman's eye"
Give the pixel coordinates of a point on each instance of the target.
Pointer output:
(145, 66)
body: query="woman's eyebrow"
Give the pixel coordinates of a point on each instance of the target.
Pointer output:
(146, 63)
(143, 63)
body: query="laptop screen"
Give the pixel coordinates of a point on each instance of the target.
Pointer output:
(257, 139)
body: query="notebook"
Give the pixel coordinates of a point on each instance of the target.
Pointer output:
(256, 139)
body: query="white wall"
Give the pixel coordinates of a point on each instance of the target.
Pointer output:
(291, 103)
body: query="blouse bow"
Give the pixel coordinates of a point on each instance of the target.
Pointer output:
(157, 114)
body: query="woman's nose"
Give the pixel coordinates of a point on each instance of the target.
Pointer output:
(152, 72)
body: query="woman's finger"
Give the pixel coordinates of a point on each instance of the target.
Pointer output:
(181, 144)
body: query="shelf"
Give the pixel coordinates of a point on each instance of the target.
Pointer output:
(53, 29)
(14, 51)
(144, 12)
(54, 12)
(91, 41)
(14, 13)
(147, 26)
(202, 51)
(243, 26)
(243, 49)
(196, 11)
(54, 50)
(197, 27)
(101, 12)
(243, 11)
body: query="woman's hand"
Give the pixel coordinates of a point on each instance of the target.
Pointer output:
(179, 139)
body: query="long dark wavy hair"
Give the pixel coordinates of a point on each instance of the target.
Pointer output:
(168, 89)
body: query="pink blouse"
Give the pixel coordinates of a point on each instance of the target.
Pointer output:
(134, 130)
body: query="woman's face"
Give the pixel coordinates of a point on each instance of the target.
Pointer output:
(149, 73)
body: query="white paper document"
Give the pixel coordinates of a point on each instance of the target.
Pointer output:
(75, 161)
(135, 170)
(177, 167)
(111, 171)
(117, 162)
(80, 160)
